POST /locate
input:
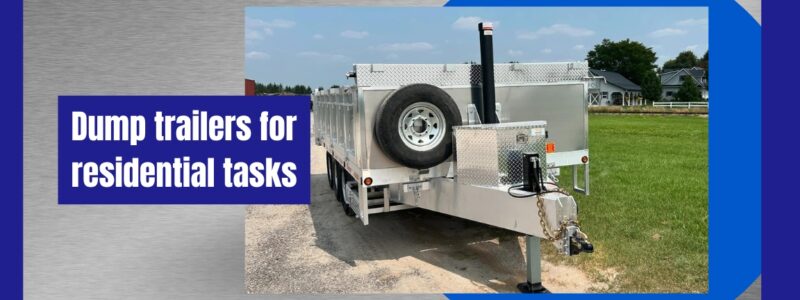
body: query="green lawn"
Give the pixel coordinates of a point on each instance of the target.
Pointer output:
(647, 214)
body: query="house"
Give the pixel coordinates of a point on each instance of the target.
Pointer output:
(671, 81)
(611, 88)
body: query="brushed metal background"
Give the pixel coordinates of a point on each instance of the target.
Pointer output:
(144, 47)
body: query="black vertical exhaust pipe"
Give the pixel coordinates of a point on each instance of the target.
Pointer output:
(487, 74)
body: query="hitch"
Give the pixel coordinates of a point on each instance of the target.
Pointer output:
(573, 241)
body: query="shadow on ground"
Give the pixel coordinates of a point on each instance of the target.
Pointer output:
(480, 253)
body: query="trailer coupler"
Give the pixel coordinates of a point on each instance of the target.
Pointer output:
(574, 241)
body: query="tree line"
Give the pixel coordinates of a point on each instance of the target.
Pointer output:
(277, 88)
(636, 62)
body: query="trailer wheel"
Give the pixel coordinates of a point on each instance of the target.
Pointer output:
(329, 166)
(337, 180)
(344, 177)
(414, 124)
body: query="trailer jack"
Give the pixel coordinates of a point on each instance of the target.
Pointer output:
(571, 242)
(533, 255)
(574, 241)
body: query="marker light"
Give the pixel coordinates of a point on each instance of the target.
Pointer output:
(551, 147)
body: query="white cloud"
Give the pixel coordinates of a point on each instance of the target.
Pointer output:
(317, 36)
(251, 35)
(416, 46)
(512, 52)
(275, 23)
(318, 55)
(280, 23)
(691, 47)
(664, 32)
(547, 51)
(253, 23)
(556, 29)
(471, 23)
(578, 47)
(352, 34)
(257, 29)
(692, 22)
(256, 55)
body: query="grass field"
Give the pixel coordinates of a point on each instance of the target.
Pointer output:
(647, 214)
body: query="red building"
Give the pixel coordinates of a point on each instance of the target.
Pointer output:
(249, 87)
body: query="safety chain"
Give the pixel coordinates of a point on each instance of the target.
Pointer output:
(543, 222)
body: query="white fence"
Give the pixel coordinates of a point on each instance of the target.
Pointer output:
(681, 104)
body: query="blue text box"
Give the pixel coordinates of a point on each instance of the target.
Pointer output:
(254, 149)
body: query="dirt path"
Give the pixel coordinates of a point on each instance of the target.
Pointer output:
(317, 249)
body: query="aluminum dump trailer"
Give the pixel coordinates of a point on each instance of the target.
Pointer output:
(344, 119)
(484, 145)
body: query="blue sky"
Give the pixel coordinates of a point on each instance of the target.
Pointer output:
(316, 46)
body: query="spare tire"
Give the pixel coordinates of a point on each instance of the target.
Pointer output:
(413, 126)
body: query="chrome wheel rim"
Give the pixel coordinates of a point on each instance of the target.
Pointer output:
(422, 126)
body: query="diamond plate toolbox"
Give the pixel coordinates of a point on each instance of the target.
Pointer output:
(491, 154)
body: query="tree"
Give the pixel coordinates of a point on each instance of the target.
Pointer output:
(298, 89)
(260, 88)
(632, 59)
(684, 60)
(688, 91)
(651, 86)
(277, 88)
(703, 62)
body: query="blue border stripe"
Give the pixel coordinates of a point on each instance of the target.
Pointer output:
(734, 149)
(11, 124)
(779, 144)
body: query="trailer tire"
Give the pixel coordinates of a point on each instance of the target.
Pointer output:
(413, 126)
(337, 181)
(329, 165)
(344, 178)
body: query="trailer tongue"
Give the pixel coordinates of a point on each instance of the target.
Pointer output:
(470, 141)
